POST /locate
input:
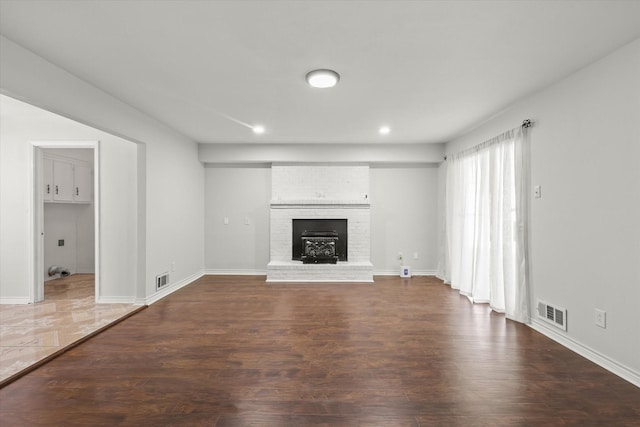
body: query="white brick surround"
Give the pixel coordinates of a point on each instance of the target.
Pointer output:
(312, 182)
(314, 192)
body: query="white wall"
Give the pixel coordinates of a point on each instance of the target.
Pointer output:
(85, 242)
(22, 123)
(169, 207)
(175, 212)
(317, 153)
(585, 230)
(237, 192)
(441, 221)
(71, 223)
(118, 219)
(404, 218)
(14, 209)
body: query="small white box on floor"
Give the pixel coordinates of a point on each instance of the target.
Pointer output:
(405, 271)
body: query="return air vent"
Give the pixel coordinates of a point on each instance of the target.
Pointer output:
(557, 316)
(162, 281)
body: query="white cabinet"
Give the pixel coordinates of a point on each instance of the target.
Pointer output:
(82, 183)
(66, 181)
(47, 180)
(62, 181)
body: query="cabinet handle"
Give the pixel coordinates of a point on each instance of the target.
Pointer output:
(56, 189)
(77, 191)
(48, 188)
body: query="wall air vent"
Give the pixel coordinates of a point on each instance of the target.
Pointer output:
(555, 315)
(162, 281)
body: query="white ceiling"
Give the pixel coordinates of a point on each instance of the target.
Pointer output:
(430, 70)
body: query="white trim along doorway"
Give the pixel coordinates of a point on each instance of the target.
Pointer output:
(36, 214)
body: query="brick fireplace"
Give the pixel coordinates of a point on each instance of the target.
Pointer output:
(322, 192)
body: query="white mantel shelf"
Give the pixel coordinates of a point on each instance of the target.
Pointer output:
(325, 203)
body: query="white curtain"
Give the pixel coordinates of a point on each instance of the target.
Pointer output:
(486, 223)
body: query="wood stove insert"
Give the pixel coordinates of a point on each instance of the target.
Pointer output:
(317, 241)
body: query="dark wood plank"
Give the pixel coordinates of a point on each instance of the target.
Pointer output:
(234, 351)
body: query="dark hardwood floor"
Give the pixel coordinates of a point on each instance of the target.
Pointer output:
(235, 351)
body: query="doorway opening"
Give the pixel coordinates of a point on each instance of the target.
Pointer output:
(65, 213)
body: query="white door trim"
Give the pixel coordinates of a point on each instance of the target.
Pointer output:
(36, 214)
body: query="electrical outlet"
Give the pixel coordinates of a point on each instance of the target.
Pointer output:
(173, 266)
(247, 220)
(415, 255)
(399, 255)
(226, 220)
(61, 242)
(601, 318)
(537, 191)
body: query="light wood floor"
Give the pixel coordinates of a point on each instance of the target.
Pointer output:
(234, 351)
(30, 333)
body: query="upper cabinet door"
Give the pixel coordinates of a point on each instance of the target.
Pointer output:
(82, 191)
(47, 180)
(63, 181)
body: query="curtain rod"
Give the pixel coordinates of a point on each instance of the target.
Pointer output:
(526, 124)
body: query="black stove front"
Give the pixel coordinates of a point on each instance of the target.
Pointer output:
(319, 241)
(319, 247)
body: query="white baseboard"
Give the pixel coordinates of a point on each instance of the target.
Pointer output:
(596, 357)
(172, 288)
(397, 272)
(14, 300)
(219, 272)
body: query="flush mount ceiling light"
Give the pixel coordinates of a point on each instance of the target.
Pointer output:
(384, 130)
(258, 129)
(322, 78)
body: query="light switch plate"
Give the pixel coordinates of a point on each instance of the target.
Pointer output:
(601, 318)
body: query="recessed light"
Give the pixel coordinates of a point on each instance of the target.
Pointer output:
(258, 129)
(322, 78)
(384, 130)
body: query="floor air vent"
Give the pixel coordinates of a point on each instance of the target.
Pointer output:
(557, 316)
(162, 281)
